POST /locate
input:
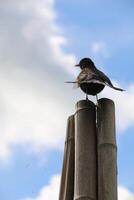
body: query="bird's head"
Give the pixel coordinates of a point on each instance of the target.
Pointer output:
(85, 63)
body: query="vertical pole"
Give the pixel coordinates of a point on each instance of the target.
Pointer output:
(67, 177)
(107, 151)
(85, 151)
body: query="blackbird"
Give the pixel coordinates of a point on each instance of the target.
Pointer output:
(91, 80)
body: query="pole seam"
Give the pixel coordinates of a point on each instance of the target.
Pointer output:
(107, 144)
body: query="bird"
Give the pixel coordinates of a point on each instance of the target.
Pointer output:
(91, 80)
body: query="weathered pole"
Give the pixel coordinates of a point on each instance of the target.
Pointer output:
(107, 151)
(67, 177)
(85, 151)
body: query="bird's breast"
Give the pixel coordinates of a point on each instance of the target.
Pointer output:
(91, 88)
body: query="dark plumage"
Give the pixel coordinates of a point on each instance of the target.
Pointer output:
(91, 80)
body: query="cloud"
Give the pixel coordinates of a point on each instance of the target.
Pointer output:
(100, 48)
(51, 191)
(32, 62)
(125, 194)
(32, 33)
(29, 116)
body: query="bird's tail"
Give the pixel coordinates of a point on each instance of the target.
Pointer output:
(70, 82)
(112, 86)
(120, 89)
(75, 83)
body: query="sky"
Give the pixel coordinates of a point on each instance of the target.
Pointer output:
(40, 42)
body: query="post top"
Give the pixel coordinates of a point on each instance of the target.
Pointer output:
(106, 100)
(84, 104)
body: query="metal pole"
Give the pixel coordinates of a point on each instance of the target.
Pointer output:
(107, 151)
(85, 151)
(67, 177)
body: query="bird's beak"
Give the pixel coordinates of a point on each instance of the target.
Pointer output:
(77, 65)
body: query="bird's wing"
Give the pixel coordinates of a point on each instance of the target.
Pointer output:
(107, 81)
(102, 77)
(88, 76)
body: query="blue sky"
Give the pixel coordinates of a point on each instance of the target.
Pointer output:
(40, 41)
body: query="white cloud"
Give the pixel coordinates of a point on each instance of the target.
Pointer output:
(49, 192)
(32, 32)
(32, 61)
(100, 48)
(125, 194)
(29, 115)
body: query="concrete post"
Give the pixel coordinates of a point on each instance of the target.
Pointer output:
(85, 151)
(67, 177)
(107, 151)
